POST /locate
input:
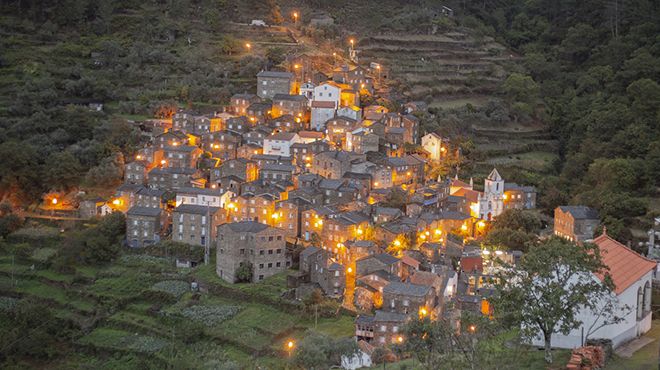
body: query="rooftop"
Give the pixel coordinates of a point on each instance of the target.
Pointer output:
(580, 212)
(626, 266)
(396, 287)
(275, 74)
(246, 227)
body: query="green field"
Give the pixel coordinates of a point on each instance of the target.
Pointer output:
(140, 313)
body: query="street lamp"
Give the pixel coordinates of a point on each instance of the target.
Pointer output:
(472, 328)
(54, 201)
(248, 46)
(295, 17)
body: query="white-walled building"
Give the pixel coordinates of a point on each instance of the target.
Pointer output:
(432, 143)
(632, 275)
(491, 201)
(199, 197)
(280, 144)
(328, 92)
(322, 111)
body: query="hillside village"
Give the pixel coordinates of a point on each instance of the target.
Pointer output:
(299, 176)
(319, 210)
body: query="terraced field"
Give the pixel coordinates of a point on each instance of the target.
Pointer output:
(139, 312)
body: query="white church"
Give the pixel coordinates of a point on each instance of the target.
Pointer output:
(491, 201)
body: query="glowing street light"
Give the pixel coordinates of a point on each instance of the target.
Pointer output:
(295, 17)
(423, 312)
(248, 46)
(349, 270)
(472, 328)
(399, 339)
(116, 202)
(54, 201)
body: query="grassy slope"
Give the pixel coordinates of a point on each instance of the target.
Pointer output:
(128, 330)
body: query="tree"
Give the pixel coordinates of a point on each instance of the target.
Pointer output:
(275, 12)
(552, 283)
(320, 351)
(244, 273)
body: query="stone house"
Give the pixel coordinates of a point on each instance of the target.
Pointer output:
(196, 224)
(576, 223)
(376, 262)
(248, 151)
(271, 83)
(150, 198)
(182, 156)
(143, 226)
(136, 172)
(222, 144)
(287, 217)
(286, 123)
(384, 328)
(239, 125)
(294, 105)
(338, 127)
(258, 113)
(361, 141)
(172, 178)
(171, 138)
(257, 136)
(242, 168)
(303, 153)
(331, 164)
(240, 102)
(259, 246)
(277, 172)
(519, 197)
(408, 298)
(248, 207)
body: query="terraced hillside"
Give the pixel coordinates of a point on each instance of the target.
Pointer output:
(455, 71)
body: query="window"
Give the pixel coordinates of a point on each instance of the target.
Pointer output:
(279, 237)
(270, 251)
(261, 265)
(277, 264)
(261, 252)
(383, 328)
(279, 251)
(270, 265)
(242, 251)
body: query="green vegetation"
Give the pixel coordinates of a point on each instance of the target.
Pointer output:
(138, 311)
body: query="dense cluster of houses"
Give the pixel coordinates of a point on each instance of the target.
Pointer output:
(302, 163)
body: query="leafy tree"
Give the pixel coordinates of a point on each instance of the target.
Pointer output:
(320, 351)
(552, 283)
(244, 272)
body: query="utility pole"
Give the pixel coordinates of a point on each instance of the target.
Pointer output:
(207, 242)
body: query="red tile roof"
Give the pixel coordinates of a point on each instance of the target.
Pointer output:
(626, 266)
(472, 196)
(323, 104)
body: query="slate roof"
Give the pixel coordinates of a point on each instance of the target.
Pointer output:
(201, 191)
(283, 136)
(580, 212)
(289, 97)
(410, 289)
(275, 74)
(144, 211)
(246, 227)
(309, 251)
(195, 209)
(384, 316)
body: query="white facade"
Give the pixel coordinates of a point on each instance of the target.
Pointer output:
(636, 297)
(357, 361)
(307, 90)
(280, 144)
(320, 116)
(328, 93)
(350, 112)
(491, 202)
(200, 199)
(432, 143)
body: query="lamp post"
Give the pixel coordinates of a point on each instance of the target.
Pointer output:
(248, 46)
(295, 18)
